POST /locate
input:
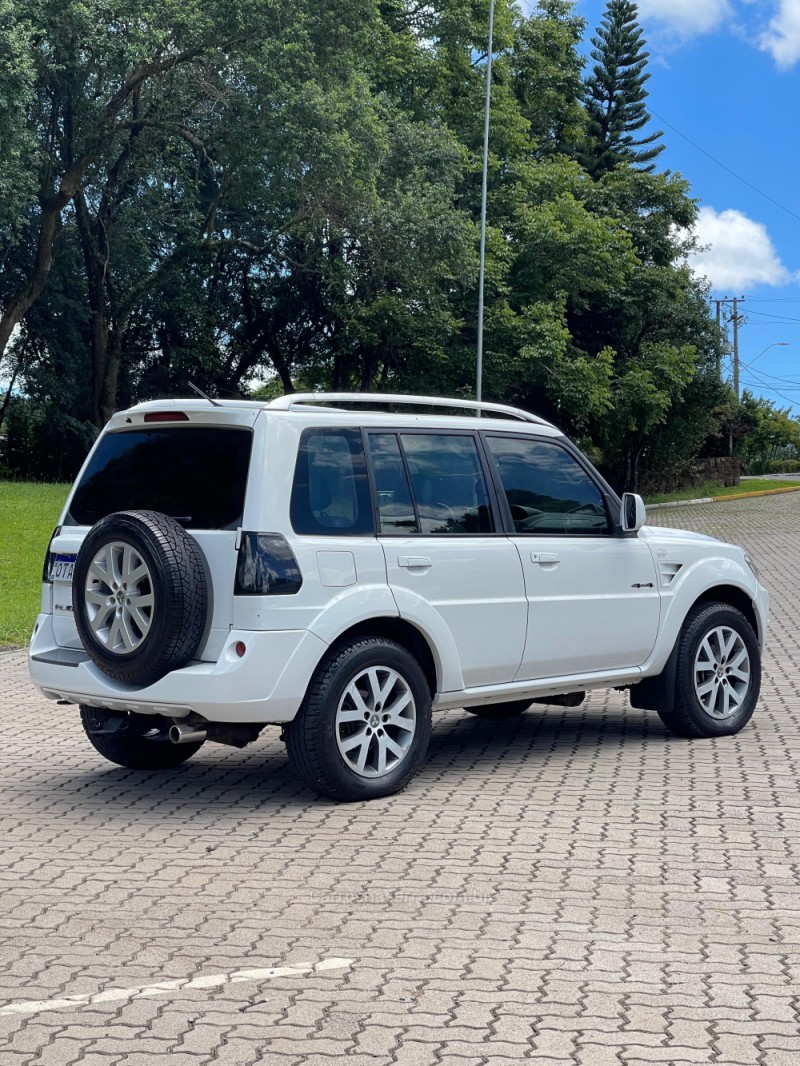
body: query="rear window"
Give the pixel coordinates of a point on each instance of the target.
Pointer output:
(195, 474)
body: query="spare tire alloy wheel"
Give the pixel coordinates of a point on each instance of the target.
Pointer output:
(119, 597)
(139, 596)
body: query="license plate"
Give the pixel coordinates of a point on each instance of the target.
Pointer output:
(61, 567)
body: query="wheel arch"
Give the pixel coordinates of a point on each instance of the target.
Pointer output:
(401, 632)
(734, 597)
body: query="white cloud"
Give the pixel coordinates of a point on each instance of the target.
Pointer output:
(782, 38)
(738, 251)
(685, 18)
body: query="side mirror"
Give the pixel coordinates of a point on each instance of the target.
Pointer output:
(633, 515)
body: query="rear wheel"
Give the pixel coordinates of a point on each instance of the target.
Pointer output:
(510, 709)
(134, 745)
(363, 729)
(718, 675)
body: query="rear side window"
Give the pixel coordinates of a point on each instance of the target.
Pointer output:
(547, 489)
(448, 483)
(330, 494)
(395, 506)
(195, 474)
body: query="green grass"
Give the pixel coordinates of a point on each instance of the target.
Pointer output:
(28, 513)
(710, 488)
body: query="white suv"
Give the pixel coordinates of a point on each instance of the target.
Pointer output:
(222, 566)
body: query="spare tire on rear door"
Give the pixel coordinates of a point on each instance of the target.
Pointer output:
(139, 596)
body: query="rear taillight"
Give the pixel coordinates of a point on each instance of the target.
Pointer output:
(48, 556)
(266, 566)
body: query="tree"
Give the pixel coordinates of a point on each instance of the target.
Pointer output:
(764, 432)
(94, 79)
(615, 95)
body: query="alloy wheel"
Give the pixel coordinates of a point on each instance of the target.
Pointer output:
(376, 720)
(119, 597)
(721, 672)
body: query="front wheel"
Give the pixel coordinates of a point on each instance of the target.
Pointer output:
(139, 749)
(363, 729)
(718, 675)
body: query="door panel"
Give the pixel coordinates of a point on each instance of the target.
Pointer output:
(475, 585)
(433, 486)
(584, 612)
(593, 600)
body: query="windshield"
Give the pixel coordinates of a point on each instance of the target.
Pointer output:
(197, 475)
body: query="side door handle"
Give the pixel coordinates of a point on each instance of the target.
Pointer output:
(545, 558)
(413, 562)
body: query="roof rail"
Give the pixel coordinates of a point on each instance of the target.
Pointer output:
(299, 399)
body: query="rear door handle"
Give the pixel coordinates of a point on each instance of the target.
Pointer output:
(413, 562)
(544, 558)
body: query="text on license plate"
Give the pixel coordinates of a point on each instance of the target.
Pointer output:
(61, 567)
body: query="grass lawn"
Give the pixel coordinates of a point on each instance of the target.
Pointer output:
(710, 488)
(28, 513)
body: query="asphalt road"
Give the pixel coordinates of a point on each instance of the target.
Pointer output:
(573, 887)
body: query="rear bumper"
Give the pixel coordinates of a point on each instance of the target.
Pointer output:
(267, 684)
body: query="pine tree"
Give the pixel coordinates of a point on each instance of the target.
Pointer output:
(615, 95)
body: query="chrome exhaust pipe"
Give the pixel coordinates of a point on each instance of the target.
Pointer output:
(180, 733)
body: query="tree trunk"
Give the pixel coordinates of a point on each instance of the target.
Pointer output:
(20, 304)
(7, 397)
(94, 245)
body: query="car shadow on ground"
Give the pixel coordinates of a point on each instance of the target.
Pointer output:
(220, 780)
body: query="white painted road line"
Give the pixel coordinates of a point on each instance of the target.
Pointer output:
(213, 980)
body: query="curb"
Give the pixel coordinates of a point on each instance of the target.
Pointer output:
(723, 499)
(678, 503)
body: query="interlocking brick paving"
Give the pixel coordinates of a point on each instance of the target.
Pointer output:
(574, 887)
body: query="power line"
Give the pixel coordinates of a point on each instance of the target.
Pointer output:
(782, 318)
(719, 163)
(771, 388)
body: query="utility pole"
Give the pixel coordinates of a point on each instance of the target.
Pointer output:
(736, 318)
(719, 330)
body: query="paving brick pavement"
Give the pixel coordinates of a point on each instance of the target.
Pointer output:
(574, 887)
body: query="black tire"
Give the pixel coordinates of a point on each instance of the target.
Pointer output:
(689, 717)
(134, 751)
(178, 595)
(312, 739)
(509, 709)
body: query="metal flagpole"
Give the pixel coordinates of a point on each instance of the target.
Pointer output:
(479, 381)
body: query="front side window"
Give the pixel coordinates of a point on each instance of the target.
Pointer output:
(448, 483)
(330, 494)
(195, 474)
(547, 489)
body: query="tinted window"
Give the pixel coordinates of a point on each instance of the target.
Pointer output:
(448, 483)
(195, 474)
(330, 494)
(547, 490)
(395, 507)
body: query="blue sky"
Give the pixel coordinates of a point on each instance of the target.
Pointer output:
(726, 74)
